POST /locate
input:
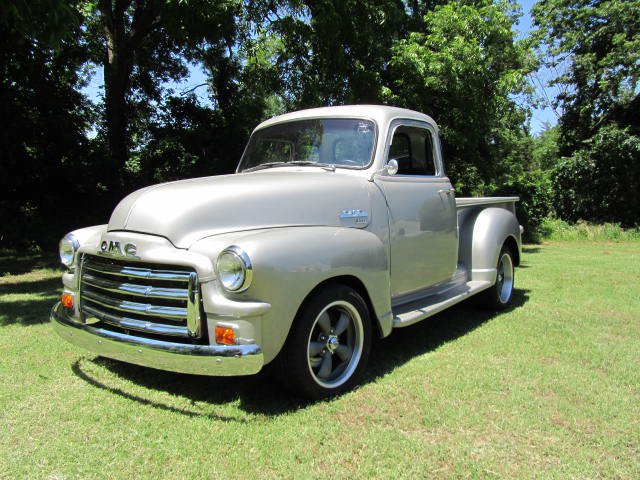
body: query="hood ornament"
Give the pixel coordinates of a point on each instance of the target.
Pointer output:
(115, 249)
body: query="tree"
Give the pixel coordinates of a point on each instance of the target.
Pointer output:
(43, 119)
(599, 41)
(147, 42)
(545, 153)
(464, 68)
(601, 181)
(332, 51)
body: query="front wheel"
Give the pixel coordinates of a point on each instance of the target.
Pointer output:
(499, 295)
(329, 344)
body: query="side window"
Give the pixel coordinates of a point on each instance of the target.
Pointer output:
(400, 147)
(412, 148)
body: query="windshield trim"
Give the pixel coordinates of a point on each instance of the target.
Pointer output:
(320, 117)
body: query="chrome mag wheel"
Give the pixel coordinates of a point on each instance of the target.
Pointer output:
(504, 281)
(329, 344)
(500, 294)
(335, 344)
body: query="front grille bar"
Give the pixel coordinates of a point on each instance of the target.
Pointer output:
(137, 272)
(105, 295)
(135, 289)
(173, 313)
(138, 325)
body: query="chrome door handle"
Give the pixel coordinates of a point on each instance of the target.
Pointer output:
(447, 191)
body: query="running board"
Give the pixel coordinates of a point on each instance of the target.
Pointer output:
(410, 313)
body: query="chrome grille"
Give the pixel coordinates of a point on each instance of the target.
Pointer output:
(149, 299)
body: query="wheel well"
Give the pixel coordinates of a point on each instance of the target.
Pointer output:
(513, 246)
(358, 286)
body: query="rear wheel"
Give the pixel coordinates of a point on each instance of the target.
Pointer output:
(500, 294)
(329, 344)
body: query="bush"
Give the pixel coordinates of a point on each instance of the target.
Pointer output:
(556, 229)
(534, 190)
(600, 182)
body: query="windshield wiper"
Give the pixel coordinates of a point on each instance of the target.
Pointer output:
(295, 163)
(314, 164)
(264, 165)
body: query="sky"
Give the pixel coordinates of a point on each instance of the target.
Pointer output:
(540, 120)
(541, 117)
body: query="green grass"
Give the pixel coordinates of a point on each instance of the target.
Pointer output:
(548, 389)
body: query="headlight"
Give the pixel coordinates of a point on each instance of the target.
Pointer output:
(234, 269)
(68, 247)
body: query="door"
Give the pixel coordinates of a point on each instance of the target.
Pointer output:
(422, 211)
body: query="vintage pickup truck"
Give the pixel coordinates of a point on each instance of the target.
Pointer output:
(339, 225)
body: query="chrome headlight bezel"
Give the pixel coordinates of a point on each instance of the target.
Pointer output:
(68, 247)
(232, 279)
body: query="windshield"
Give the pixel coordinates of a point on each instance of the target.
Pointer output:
(339, 142)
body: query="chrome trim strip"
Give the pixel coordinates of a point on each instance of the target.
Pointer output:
(218, 360)
(137, 272)
(79, 292)
(194, 322)
(137, 325)
(134, 289)
(174, 313)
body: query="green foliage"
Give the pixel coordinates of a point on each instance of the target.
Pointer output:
(601, 181)
(595, 47)
(464, 68)
(555, 229)
(545, 150)
(458, 61)
(336, 51)
(535, 205)
(44, 150)
(47, 22)
(187, 140)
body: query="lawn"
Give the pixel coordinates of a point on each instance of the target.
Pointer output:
(548, 389)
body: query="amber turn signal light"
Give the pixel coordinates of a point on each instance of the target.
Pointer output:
(67, 300)
(225, 336)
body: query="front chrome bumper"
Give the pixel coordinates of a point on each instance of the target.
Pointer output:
(216, 360)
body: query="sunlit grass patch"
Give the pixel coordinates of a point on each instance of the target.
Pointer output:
(547, 389)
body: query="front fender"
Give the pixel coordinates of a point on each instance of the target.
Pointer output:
(288, 263)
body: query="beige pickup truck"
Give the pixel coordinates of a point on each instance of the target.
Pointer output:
(339, 225)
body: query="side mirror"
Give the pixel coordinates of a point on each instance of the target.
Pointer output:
(391, 168)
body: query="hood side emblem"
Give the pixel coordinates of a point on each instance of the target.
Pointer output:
(355, 216)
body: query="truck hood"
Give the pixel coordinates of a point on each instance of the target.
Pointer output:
(189, 210)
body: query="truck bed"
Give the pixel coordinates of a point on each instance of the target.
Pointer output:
(478, 201)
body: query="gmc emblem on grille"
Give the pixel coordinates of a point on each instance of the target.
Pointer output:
(114, 248)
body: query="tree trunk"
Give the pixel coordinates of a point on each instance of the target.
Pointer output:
(118, 66)
(117, 72)
(116, 79)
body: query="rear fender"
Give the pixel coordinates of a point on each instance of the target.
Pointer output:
(482, 236)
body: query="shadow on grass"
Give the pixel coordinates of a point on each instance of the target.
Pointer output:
(34, 304)
(260, 394)
(82, 374)
(12, 263)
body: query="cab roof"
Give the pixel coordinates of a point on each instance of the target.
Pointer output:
(381, 114)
